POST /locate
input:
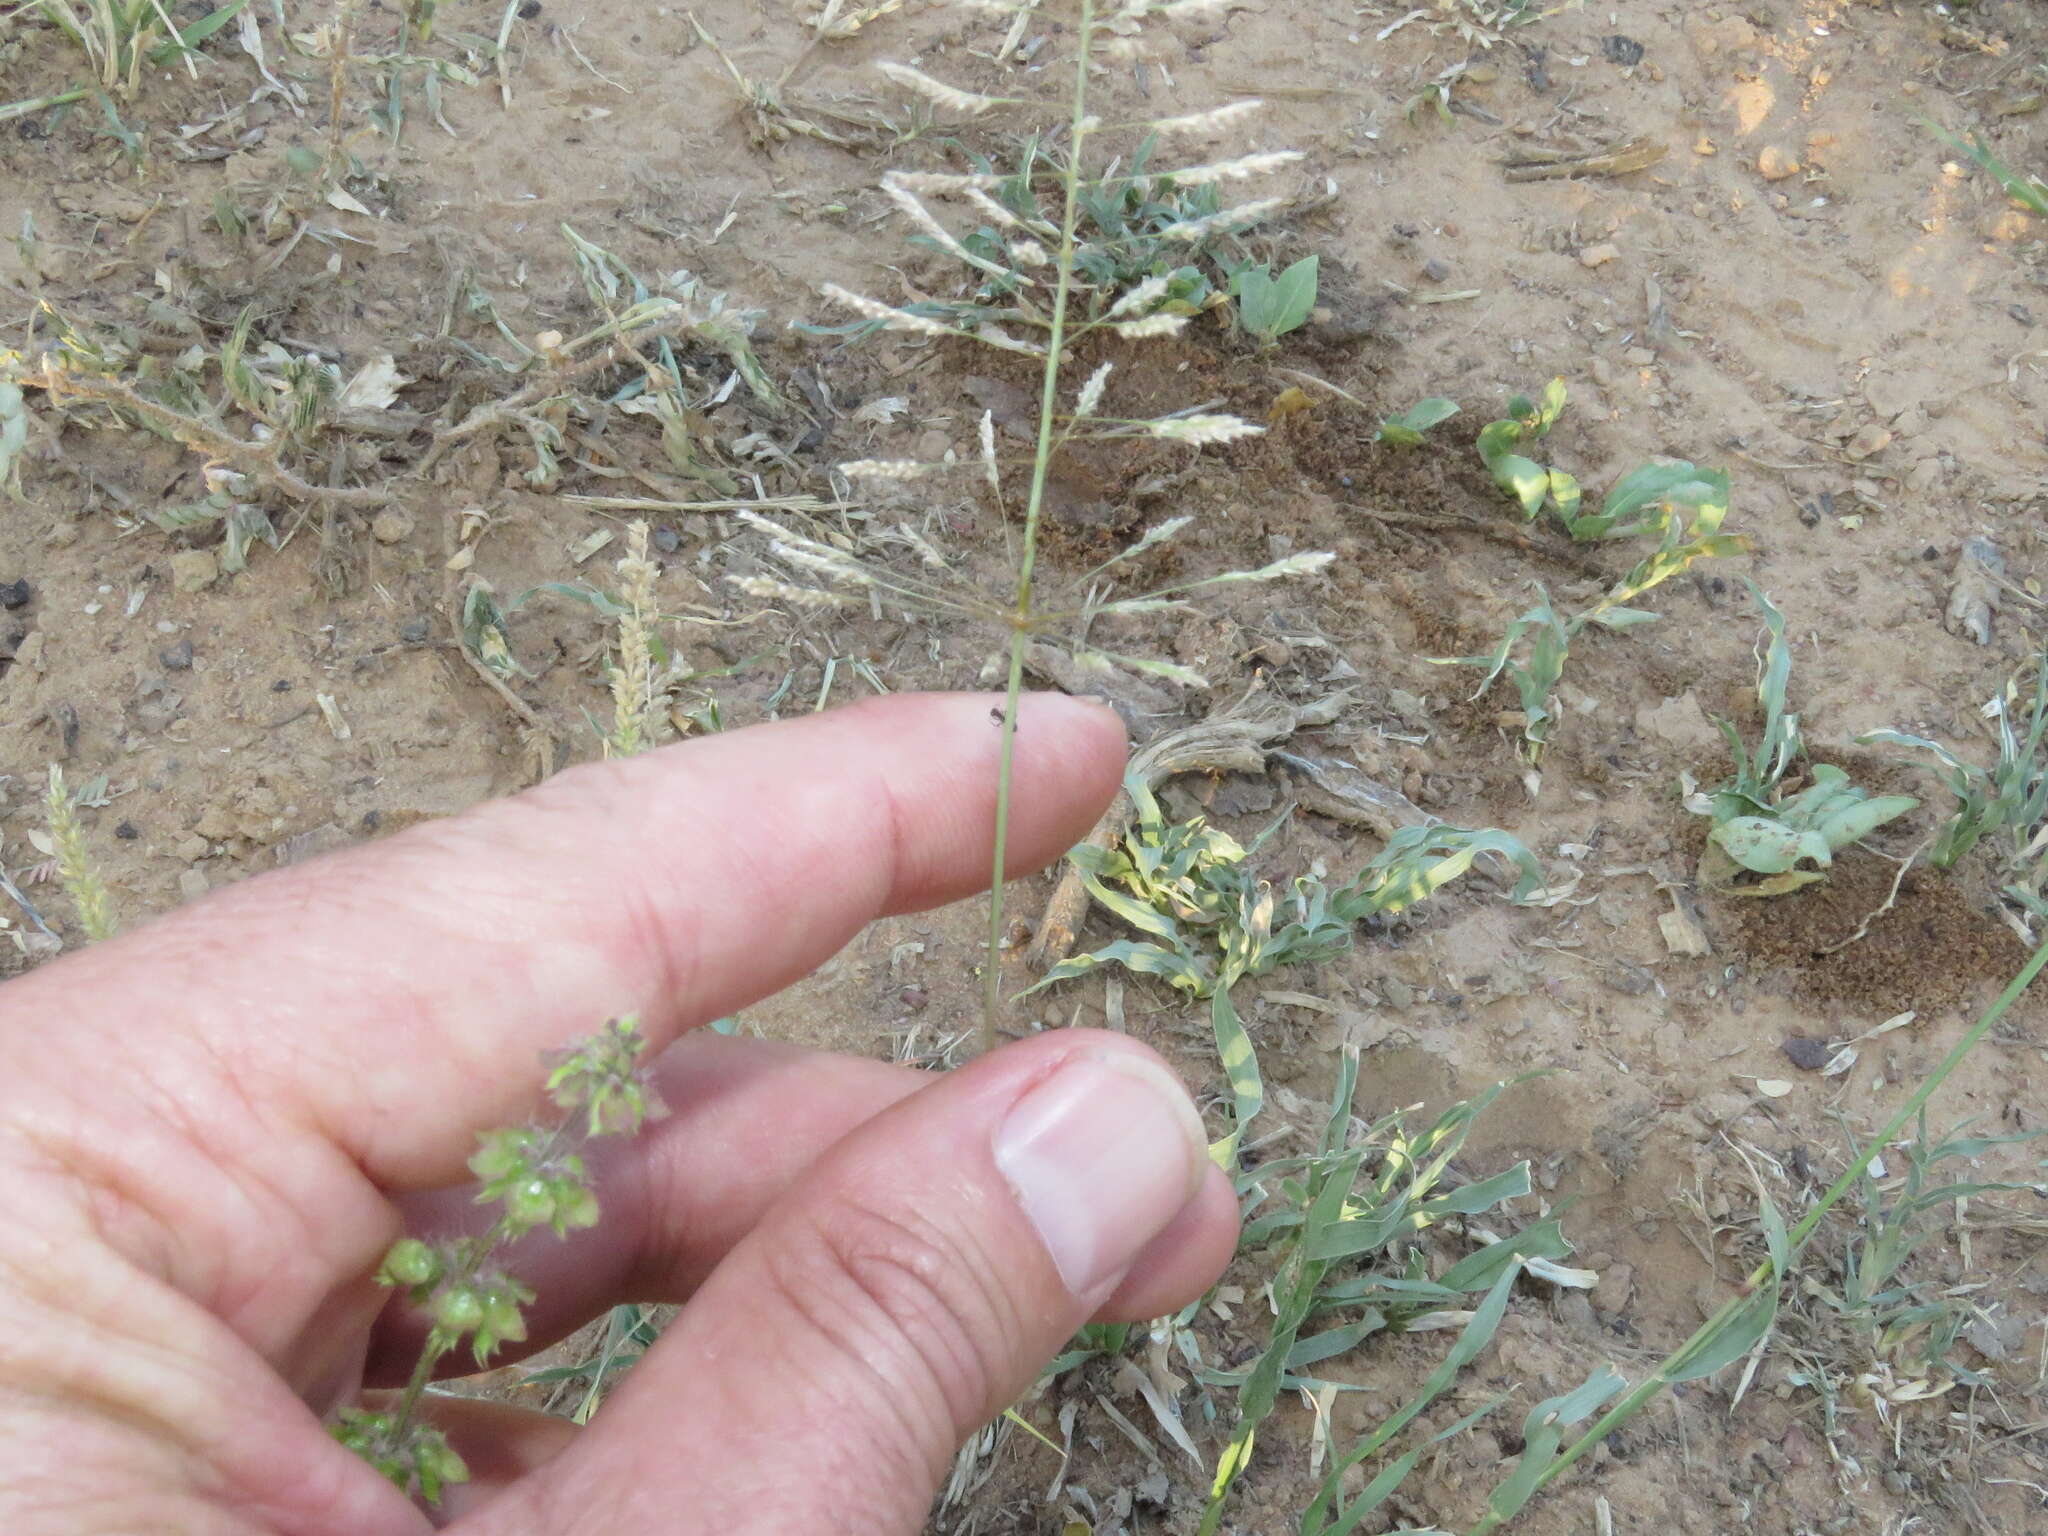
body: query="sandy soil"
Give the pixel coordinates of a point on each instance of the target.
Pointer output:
(1856, 341)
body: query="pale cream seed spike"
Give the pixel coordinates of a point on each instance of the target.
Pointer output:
(1091, 392)
(887, 469)
(1225, 218)
(1143, 296)
(926, 550)
(1002, 216)
(1151, 325)
(907, 204)
(942, 182)
(950, 96)
(891, 318)
(987, 428)
(1205, 429)
(837, 567)
(1256, 164)
(1202, 122)
(782, 592)
(996, 336)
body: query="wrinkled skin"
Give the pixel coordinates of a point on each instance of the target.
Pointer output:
(211, 1129)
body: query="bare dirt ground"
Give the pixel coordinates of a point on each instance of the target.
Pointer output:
(1857, 340)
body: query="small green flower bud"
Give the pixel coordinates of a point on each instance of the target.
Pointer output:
(502, 1318)
(577, 1207)
(458, 1309)
(531, 1203)
(438, 1465)
(410, 1263)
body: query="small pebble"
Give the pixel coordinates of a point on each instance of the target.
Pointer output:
(1436, 269)
(177, 658)
(1599, 255)
(194, 570)
(127, 832)
(16, 594)
(1639, 357)
(391, 526)
(414, 631)
(1777, 163)
(667, 540)
(192, 884)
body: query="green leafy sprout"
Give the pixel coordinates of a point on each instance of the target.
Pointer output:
(1531, 655)
(1351, 1226)
(1521, 477)
(1901, 1325)
(2007, 802)
(1209, 922)
(1268, 307)
(1788, 840)
(120, 39)
(1406, 430)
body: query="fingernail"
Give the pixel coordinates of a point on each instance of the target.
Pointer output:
(1102, 1155)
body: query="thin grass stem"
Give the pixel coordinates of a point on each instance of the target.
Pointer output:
(1634, 1401)
(1021, 617)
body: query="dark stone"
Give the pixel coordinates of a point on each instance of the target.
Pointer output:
(1805, 1052)
(16, 594)
(127, 832)
(667, 540)
(177, 658)
(415, 631)
(1625, 51)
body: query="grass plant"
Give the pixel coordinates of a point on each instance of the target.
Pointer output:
(1209, 923)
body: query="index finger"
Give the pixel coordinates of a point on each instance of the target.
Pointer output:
(398, 998)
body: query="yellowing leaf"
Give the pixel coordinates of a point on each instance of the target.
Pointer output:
(1292, 399)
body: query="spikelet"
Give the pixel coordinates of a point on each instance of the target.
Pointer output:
(950, 96)
(986, 428)
(927, 551)
(1151, 325)
(1203, 429)
(1144, 296)
(1258, 163)
(907, 204)
(1091, 392)
(1002, 218)
(1202, 122)
(887, 469)
(939, 183)
(1223, 219)
(892, 319)
(76, 871)
(770, 590)
(636, 715)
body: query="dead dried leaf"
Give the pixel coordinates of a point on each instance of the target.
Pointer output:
(1682, 933)
(375, 386)
(1979, 574)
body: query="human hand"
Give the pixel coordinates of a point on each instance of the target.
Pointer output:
(211, 1130)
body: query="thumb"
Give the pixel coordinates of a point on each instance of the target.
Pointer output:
(905, 1291)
